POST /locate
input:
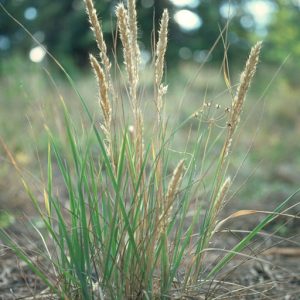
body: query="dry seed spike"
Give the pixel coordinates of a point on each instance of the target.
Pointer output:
(103, 91)
(96, 28)
(161, 47)
(123, 25)
(132, 16)
(238, 101)
(160, 53)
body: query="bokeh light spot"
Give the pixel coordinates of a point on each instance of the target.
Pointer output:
(4, 42)
(30, 13)
(187, 20)
(183, 3)
(185, 53)
(37, 54)
(261, 11)
(228, 10)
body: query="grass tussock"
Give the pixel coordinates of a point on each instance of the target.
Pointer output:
(124, 230)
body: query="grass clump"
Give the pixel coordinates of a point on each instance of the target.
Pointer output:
(124, 231)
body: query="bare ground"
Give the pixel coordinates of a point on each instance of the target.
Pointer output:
(268, 269)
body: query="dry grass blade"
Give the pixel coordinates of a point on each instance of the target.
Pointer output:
(240, 213)
(247, 212)
(283, 251)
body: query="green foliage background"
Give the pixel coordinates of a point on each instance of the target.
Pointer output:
(61, 25)
(66, 31)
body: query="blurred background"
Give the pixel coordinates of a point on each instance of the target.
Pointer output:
(62, 27)
(270, 132)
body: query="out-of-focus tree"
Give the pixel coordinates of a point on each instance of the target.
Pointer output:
(61, 26)
(219, 20)
(195, 25)
(284, 33)
(283, 40)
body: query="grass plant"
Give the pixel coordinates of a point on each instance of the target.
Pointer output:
(123, 231)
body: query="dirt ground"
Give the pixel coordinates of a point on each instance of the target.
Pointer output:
(268, 269)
